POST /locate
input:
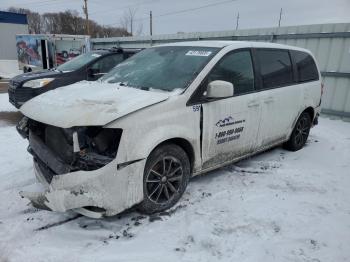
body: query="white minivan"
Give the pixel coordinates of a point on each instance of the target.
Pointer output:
(135, 137)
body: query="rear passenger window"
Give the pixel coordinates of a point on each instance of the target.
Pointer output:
(236, 68)
(306, 67)
(105, 64)
(275, 67)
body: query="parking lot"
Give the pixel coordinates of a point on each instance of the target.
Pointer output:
(277, 206)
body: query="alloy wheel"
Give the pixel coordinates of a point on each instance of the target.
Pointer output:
(302, 131)
(164, 179)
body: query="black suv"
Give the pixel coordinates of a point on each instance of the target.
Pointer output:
(89, 66)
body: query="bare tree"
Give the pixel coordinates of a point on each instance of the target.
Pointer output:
(67, 22)
(139, 29)
(128, 19)
(34, 19)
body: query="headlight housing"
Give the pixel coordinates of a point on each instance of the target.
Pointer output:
(37, 83)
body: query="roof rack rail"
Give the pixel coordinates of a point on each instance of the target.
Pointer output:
(119, 49)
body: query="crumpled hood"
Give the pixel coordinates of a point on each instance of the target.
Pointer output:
(88, 103)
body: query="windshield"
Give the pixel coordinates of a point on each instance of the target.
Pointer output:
(78, 62)
(165, 68)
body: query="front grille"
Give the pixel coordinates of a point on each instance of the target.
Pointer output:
(60, 141)
(52, 148)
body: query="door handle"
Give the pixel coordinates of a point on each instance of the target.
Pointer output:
(253, 103)
(269, 100)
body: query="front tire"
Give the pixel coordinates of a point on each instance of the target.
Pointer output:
(300, 133)
(165, 178)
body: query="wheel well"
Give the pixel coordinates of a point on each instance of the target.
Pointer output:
(311, 112)
(185, 145)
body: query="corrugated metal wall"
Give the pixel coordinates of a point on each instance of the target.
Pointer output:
(330, 43)
(8, 50)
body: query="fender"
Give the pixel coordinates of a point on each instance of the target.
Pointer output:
(141, 148)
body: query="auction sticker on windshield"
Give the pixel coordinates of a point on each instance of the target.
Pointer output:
(198, 53)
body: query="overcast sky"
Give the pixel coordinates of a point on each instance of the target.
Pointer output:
(201, 15)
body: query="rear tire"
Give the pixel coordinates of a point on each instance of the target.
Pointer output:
(300, 133)
(165, 178)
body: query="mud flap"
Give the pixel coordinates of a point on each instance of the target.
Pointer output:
(88, 213)
(315, 122)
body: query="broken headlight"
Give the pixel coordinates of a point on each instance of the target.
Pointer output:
(95, 147)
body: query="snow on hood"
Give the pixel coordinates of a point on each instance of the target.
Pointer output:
(88, 103)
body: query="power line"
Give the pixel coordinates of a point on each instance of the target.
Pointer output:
(42, 3)
(123, 7)
(182, 11)
(38, 2)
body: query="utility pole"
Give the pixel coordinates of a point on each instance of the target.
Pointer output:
(85, 9)
(237, 21)
(150, 23)
(279, 21)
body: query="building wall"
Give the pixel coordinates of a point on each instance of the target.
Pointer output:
(330, 43)
(10, 25)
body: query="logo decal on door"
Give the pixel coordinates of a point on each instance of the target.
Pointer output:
(225, 122)
(228, 121)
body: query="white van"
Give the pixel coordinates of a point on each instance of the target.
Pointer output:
(170, 112)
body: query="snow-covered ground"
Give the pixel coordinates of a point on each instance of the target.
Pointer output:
(5, 106)
(277, 206)
(9, 68)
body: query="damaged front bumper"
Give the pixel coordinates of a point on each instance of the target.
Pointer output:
(104, 189)
(102, 192)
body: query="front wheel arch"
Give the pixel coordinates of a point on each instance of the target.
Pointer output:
(184, 144)
(158, 166)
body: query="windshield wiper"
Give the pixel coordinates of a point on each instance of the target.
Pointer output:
(139, 87)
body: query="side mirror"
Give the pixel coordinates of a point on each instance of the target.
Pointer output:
(219, 89)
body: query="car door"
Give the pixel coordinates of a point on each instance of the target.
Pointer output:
(230, 125)
(103, 66)
(280, 96)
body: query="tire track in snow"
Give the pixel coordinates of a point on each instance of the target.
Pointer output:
(57, 223)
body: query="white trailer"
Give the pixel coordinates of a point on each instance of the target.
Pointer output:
(45, 51)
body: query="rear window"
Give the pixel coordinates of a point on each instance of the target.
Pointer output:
(306, 66)
(275, 67)
(78, 62)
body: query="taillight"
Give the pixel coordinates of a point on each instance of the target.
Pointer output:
(322, 87)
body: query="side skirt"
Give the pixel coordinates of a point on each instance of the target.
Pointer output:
(239, 158)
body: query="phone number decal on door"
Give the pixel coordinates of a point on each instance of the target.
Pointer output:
(228, 135)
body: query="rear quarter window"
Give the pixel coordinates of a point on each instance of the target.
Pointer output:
(275, 68)
(306, 66)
